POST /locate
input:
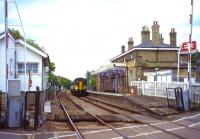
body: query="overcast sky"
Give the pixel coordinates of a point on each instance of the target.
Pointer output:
(82, 35)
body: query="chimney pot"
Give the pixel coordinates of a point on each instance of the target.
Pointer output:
(155, 33)
(145, 34)
(172, 35)
(161, 38)
(122, 49)
(130, 43)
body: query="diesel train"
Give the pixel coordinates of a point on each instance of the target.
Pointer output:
(78, 87)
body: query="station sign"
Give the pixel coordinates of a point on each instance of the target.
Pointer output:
(186, 45)
(29, 83)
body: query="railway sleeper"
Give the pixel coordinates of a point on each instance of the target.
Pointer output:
(86, 117)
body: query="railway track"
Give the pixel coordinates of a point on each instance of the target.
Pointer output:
(172, 122)
(118, 110)
(100, 120)
(98, 104)
(97, 118)
(78, 133)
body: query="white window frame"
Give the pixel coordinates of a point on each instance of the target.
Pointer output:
(29, 66)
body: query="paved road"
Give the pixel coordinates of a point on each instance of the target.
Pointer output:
(185, 127)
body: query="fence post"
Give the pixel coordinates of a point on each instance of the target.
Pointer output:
(0, 107)
(25, 108)
(167, 84)
(37, 101)
(142, 87)
(155, 88)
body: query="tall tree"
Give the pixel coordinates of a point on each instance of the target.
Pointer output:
(91, 80)
(58, 81)
(195, 56)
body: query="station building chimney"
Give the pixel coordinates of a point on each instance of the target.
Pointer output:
(155, 33)
(172, 36)
(130, 43)
(145, 34)
(161, 38)
(122, 49)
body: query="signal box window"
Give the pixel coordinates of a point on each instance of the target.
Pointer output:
(32, 67)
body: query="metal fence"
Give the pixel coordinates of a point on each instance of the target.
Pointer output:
(3, 102)
(195, 97)
(161, 89)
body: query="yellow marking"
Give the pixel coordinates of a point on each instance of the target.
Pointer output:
(80, 85)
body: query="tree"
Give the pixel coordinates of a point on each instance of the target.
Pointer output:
(33, 43)
(195, 56)
(91, 80)
(52, 66)
(52, 77)
(16, 34)
(58, 81)
(63, 82)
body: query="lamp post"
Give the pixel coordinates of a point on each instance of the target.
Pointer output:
(117, 79)
(178, 66)
(190, 54)
(127, 78)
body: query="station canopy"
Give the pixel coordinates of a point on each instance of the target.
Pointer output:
(111, 70)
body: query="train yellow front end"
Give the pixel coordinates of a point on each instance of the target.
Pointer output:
(79, 87)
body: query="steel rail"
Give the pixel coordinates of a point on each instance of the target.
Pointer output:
(198, 130)
(138, 129)
(100, 120)
(80, 136)
(132, 111)
(165, 131)
(112, 111)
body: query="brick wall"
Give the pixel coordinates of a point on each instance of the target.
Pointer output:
(161, 56)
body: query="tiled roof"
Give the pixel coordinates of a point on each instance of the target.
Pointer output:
(149, 44)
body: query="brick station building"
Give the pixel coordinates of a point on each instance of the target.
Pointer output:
(144, 61)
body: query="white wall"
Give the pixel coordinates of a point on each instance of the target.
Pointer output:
(11, 59)
(31, 57)
(2, 66)
(162, 76)
(10, 62)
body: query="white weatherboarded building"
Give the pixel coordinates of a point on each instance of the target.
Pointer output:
(6, 56)
(12, 66)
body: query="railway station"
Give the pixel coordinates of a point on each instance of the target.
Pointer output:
(150, 87)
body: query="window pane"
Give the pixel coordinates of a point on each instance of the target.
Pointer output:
(32, 67)
(20, 68)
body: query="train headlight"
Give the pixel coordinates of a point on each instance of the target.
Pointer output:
(76, 87)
